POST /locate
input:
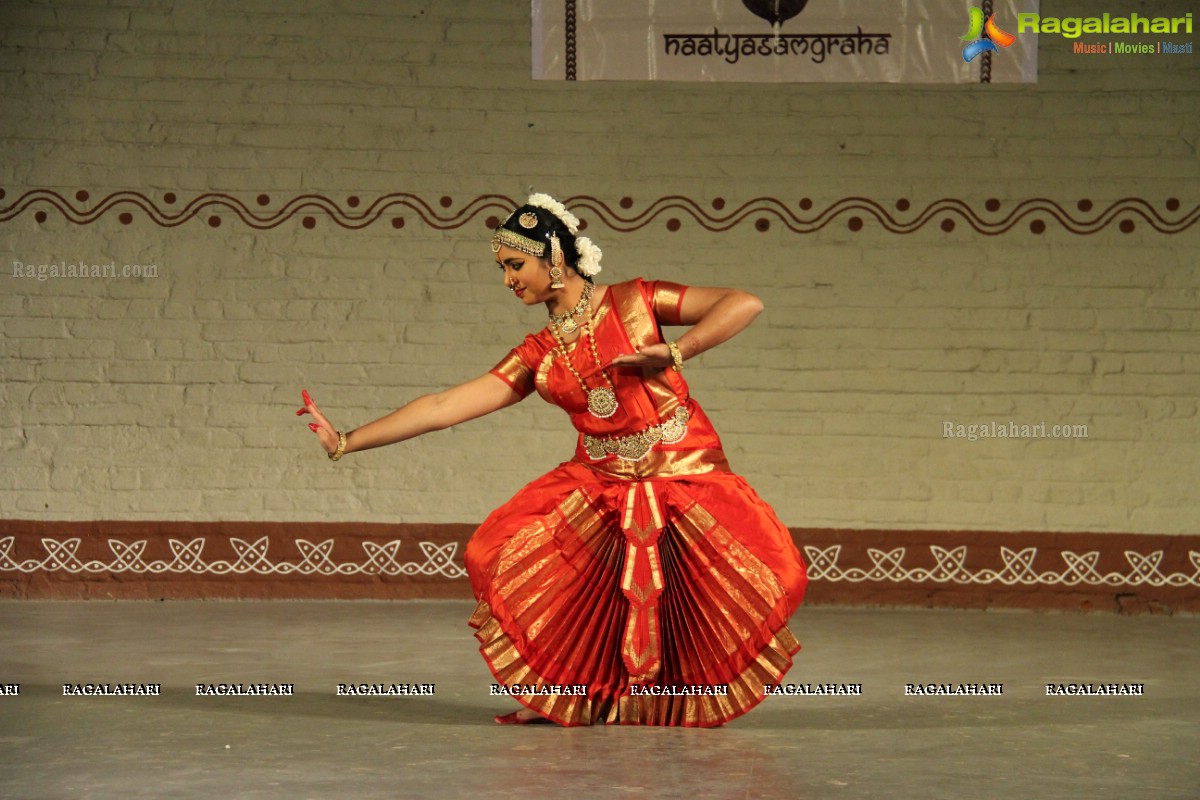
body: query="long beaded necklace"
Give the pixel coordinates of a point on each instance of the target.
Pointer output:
(566, 321)
(601, 401)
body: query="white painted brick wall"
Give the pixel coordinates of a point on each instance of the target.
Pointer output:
(172, 397)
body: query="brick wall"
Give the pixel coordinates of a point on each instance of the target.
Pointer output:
(171, 398)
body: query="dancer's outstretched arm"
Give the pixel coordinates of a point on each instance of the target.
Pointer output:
(431, 412)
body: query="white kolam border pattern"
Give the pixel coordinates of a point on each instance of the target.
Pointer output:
(1081, 569)
(252, 557)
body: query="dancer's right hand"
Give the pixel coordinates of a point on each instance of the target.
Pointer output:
(321, 426)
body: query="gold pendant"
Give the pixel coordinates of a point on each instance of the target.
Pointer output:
(602, 402)
(569, 325)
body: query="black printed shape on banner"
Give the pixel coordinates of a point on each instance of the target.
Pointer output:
(775, 12)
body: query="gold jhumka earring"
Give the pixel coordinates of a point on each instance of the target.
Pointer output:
(556, 260)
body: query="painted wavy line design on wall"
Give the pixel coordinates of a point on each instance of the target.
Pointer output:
(1033, 215)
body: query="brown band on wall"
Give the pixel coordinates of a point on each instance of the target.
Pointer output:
(242, 560)
(1117, 572)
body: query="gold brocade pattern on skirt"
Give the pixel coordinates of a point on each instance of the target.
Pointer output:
(745, 691)
(627, 588)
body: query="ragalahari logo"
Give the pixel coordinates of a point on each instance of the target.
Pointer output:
(981, 37)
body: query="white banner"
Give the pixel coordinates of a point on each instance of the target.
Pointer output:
(888, 41)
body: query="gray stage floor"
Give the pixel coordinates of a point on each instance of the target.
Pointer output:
(316, 744)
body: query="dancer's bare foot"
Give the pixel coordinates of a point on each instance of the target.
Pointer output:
(522, 716)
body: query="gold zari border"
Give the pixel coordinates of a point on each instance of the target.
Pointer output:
(663, 464)
(745, 691)
(513, 371)
(668, 302)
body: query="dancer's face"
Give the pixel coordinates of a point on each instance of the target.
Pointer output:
(526, 276)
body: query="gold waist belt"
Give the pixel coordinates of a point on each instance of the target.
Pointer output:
(635, 446)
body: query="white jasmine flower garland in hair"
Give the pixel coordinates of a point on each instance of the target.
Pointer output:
(589, 256)
(556, 208)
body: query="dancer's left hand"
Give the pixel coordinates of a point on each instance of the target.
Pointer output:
(655, 356)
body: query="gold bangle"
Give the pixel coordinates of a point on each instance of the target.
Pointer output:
(341, 448)
(676, 356)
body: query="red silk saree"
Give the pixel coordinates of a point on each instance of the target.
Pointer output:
(643, 569)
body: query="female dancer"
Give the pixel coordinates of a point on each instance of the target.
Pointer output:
(641, 582)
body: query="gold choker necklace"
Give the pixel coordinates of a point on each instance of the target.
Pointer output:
(566, 322)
